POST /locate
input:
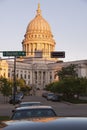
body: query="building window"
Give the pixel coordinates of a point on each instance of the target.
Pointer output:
(17, 75)
(35, 75)
(25, 76)
(8, 74)
(43, 76)
(50, 76)
(21, 76)
(28, 76)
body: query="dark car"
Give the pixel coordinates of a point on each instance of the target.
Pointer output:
(20, 94)
(32, 112)
(15, 100)
(44, 94)
(54, 123)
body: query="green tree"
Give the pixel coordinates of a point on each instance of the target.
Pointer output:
(67, 72)
(49, 87)
(55, 87)
(69, 87)
(26, 89)
(5, 87)
(20, 82)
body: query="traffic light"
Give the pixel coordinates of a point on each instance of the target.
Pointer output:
(58, 54)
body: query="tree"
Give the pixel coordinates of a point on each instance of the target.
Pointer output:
(20, 82)
(69, 87)
(26, 89)
(49, 87)
(5, 87)
(67, 72)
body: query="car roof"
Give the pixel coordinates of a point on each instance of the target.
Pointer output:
(34, 107)
(30, 102)
(57, 123)
(50, 93)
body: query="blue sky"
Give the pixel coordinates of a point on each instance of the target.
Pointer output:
(67, 19)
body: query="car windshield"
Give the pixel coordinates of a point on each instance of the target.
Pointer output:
(50, 94)
(21, 114)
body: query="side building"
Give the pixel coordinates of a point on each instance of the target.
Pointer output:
(3, 68)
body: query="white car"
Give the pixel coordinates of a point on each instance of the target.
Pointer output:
(49, 96)
(24, 104)
(32, 112)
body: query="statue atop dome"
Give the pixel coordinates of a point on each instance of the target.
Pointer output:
(38, 10)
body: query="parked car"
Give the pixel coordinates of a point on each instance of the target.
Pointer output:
(49, 96)
(56, 98)
(54, 123)
(17, 99)
(32, 111)
(23, 104)
(44, 94)
(20, 94)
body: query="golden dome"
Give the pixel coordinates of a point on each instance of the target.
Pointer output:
(38, 37)
(38, 24)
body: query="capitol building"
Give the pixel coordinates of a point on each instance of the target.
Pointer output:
(37, 68)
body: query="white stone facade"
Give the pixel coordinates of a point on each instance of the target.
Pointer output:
(37, 75)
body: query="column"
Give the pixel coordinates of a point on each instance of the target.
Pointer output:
(41, 79)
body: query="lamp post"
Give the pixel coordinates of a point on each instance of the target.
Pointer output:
(14, 82)
(15, 54)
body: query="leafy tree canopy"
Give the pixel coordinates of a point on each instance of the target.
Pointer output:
(67, 72)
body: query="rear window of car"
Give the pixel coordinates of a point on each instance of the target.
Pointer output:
(21, 114)
(29, 104)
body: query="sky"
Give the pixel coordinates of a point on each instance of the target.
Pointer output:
(67, 19)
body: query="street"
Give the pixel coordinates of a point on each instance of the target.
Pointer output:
(61, 108)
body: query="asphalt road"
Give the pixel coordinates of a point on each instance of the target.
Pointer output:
(61, 108)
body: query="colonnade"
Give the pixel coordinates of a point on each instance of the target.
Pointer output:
(30, 48)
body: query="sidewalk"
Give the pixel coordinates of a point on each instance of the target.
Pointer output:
(6, 109)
